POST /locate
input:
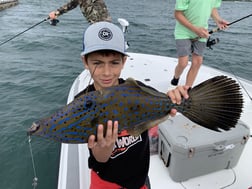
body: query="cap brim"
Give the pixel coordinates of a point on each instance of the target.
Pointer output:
(94, 49)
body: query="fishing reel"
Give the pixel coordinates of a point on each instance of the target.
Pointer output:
(211, 42)
(54, 22)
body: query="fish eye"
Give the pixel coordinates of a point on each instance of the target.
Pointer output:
(88, 104)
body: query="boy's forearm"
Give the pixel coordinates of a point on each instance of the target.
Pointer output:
(215, 15)
(180, 17)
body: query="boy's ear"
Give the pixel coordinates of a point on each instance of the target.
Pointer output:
(124, 60)
(84, 61)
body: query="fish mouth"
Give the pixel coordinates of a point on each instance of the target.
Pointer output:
(35, 126)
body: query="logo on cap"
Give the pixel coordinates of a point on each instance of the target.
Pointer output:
(105, 34)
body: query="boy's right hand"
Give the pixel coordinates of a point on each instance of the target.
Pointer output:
(202, 32)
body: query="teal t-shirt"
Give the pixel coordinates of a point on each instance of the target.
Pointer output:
(197, 12)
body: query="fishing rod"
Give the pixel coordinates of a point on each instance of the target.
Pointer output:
(214, 41)
(211, 42)
(218, 29)
(24, 31)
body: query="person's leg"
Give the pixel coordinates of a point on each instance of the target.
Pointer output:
(193, 71)
(183, 50)
(197, 59)
(182, 63)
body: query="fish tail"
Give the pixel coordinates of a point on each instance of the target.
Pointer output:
(214, 104)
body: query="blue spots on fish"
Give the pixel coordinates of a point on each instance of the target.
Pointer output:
(77, 121)
(120, 104)
(138, 107)
(115, 112)
(63, 121)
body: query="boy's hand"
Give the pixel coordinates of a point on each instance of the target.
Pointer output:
(202, 32)
(176, 96)
(222, 24)
(103, 146)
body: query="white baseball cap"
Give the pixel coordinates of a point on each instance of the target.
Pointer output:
(103, 36)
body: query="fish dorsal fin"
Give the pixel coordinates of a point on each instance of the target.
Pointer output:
(151, 91)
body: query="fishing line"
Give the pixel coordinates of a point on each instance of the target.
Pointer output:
(91, 77)
(218, 29)
(242, 86)
(24, 31)
(35, 179)
(92, 74)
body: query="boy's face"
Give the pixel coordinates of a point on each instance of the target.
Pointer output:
(105, 68)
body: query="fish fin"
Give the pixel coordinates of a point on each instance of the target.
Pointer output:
(214, 104)
(140, 128)
(149, 90)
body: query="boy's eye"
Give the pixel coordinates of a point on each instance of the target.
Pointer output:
(115, 62)
(96, 63)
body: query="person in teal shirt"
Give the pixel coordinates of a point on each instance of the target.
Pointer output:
(191, 33)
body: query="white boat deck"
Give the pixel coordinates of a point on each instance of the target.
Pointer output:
(157, 72)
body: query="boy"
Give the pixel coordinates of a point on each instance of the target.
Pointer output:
(115, 166)
(191, 34)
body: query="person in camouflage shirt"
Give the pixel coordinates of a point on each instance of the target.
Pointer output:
(92, 10)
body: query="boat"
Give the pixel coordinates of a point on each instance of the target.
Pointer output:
(157, 71)
(4, 4)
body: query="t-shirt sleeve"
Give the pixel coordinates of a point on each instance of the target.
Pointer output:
(181, 5)
(217, 3)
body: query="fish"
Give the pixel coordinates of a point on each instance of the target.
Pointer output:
(215, 104)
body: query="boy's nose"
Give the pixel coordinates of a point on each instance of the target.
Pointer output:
(107, 69)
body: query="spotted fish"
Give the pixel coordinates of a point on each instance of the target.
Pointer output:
(214, 104)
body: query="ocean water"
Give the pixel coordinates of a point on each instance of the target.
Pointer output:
(38, 67)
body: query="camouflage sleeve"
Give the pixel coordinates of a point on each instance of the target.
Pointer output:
(95, 10)
(67, 7)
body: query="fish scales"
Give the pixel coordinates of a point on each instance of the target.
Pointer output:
(214, 104)
(128, 104)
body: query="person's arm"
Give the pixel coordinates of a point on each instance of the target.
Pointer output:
(94, 11)
(222, 24)
(65, 8)
(200, 31)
